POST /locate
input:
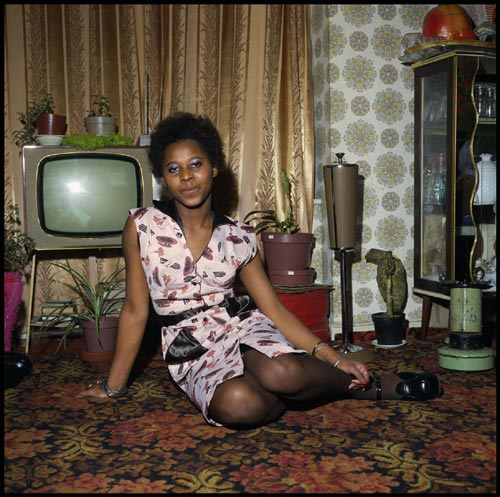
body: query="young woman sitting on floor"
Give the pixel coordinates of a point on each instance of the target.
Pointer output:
(240, 360)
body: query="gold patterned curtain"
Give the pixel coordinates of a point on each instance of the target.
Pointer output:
(248, 67)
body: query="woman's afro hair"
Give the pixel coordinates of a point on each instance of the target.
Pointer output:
(186, 126)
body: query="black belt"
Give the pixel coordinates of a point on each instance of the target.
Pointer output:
(235, 306)
(185, 347)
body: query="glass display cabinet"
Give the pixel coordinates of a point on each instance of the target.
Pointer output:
(455, 170)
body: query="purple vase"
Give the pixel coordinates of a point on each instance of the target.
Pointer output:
(12, 296)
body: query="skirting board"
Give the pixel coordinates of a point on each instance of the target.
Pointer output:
(336, 329)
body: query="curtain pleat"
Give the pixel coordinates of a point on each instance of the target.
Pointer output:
(76, 67)
(129, 71)
(247, 67)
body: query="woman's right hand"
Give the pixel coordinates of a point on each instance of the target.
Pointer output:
(93, 391)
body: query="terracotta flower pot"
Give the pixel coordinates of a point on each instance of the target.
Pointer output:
(287, 258)
(287, 252)
(106, 345)
(51, 124)
(292, 277)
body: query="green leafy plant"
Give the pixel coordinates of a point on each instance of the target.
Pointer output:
(268, 219)
(26, 135)
(93, 142)
(58, 318)
(18, 247)
(97, 300)
(391, 280)
(100, 106)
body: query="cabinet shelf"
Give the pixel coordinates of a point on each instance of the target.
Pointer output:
(487, 120)
(466, 231)
(56, 333)
(54, 322)
(435, 209)
(435, 130)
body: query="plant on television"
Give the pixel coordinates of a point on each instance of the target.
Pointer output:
(18, 247)
(27, 135)
(268, 219)
(85, 141)
(100, 106)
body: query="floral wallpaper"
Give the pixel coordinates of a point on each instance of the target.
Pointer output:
(364, 108)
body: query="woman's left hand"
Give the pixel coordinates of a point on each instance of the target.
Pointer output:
(357, 369)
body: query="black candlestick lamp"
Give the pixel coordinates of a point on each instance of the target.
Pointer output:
(341, 194)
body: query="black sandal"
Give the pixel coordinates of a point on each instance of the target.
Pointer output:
(414, 386)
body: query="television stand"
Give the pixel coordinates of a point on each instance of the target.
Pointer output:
(58, 329)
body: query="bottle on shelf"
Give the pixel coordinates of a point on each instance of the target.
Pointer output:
(486, 192)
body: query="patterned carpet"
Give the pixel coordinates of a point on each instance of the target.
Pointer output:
(155, 441)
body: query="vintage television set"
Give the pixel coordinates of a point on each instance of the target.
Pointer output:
(75, 199)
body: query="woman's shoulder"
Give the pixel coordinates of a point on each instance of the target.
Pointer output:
(141, 213)
(234, 225)
(150, 216)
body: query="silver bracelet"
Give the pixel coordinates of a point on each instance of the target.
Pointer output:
(338, 362)
(318, 346)
(114, 394)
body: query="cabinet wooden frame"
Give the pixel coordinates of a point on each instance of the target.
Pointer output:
(453, 72)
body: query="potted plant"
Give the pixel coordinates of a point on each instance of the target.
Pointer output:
(99, 120)
(287, 252)
(18, 249)
(97, 315)
(85, 141)
(40, 123)
(391, 280)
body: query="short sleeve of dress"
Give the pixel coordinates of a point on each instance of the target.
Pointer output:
(250, 239)
(140, 216)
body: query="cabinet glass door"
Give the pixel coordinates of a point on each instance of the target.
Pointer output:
(434, 131)
(433, 110)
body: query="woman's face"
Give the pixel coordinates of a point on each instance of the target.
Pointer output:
(188, 173)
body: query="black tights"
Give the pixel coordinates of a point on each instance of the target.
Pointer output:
(260, 395)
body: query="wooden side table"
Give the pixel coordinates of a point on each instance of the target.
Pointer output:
(489, 311)
(428, 298)
(311, 304)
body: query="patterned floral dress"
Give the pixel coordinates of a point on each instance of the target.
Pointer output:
(178, 283)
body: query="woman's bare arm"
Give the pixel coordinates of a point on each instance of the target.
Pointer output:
(261, 290)
(133, 316)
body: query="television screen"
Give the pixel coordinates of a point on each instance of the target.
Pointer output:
(82, 196)
(78, 199)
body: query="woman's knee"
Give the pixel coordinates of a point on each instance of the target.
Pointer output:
(239, 404)
(285, 374)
